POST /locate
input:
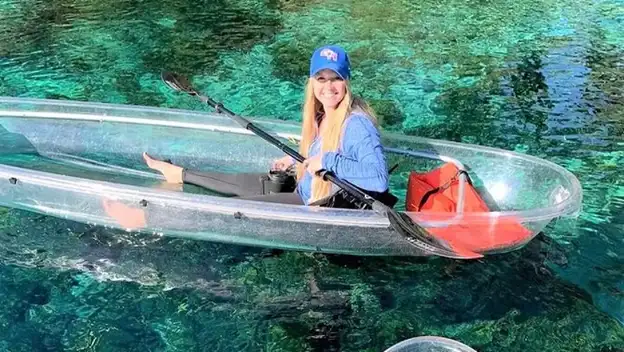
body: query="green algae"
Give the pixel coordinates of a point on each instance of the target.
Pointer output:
(368, 304)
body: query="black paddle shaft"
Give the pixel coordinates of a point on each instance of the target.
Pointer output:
(219, 108)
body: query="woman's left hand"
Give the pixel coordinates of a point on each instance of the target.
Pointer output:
(314, 164)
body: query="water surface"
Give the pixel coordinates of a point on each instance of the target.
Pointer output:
(539, 77)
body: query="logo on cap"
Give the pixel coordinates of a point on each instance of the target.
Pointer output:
(329, 54)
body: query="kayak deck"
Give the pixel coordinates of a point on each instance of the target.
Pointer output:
(69, 159)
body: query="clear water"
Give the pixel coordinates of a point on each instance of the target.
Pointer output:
(540, 77)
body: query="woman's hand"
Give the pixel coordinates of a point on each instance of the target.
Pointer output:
(282, 164)
(314, 164)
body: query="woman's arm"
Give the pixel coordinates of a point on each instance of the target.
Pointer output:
(361, 160)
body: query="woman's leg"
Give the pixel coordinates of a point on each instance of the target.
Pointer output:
(230, 184)
(291, 198)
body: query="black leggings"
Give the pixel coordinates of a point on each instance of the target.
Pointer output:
(250, 186)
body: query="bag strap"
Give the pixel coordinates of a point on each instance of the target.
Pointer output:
(443, 187)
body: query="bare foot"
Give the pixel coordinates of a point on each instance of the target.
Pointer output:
(126, 216)
(172, 173)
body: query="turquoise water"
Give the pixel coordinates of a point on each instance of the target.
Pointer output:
(539, 77)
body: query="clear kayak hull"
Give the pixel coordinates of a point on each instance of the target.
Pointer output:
(72, 160)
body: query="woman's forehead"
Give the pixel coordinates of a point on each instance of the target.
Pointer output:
(326, 73)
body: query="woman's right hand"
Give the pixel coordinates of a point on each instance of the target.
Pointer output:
(282, 164)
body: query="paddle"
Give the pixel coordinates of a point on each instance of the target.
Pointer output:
(415, 234)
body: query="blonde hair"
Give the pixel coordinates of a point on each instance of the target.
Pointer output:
(331, 139)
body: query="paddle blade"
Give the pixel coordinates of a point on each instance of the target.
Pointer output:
(420, 238)
(177, 82)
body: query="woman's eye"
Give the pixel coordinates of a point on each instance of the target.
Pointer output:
(332, 79)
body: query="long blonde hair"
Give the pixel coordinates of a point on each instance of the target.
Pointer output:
(331, 139)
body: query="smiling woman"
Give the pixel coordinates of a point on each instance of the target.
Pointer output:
(339, 135)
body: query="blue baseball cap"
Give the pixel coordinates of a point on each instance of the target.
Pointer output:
(331, 57)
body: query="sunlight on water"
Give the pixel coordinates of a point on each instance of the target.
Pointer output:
(540, 77)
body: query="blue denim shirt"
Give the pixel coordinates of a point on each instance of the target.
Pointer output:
(359, 159)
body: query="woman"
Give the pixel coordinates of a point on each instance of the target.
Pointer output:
(339, 135)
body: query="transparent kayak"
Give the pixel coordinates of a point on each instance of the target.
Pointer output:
(74, 160)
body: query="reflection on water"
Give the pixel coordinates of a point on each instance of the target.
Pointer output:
(541, 77)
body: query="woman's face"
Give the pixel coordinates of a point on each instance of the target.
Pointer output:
(329, 88)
